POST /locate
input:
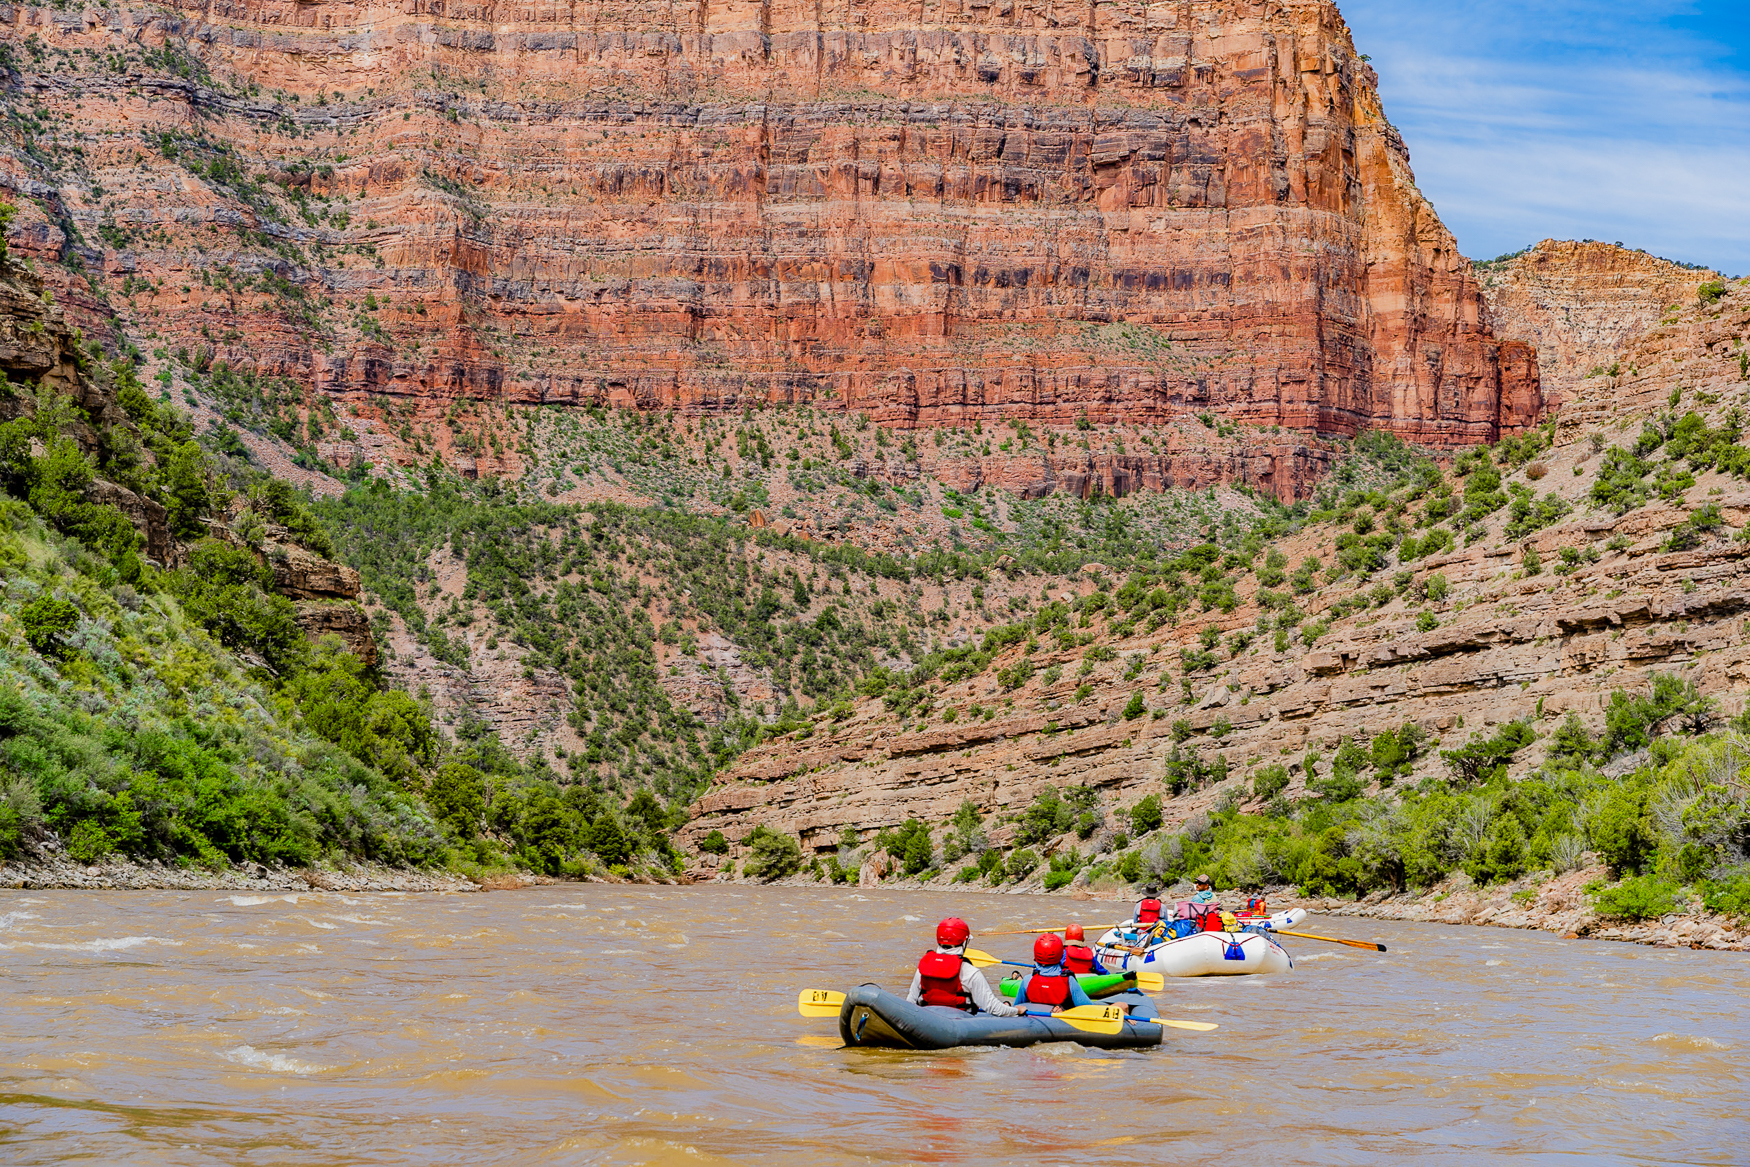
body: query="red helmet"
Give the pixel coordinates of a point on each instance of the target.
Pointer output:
(1074, 932)
(1047, 950)
(952, 932)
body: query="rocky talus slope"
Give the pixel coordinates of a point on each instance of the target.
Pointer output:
(935, 216)
(1535, 611)
(1581, 305)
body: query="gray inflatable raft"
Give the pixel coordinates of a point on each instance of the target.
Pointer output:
(877, 1019)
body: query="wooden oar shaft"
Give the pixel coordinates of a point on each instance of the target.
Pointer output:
(1369, 945)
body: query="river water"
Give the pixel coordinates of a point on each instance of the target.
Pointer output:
(608, 1024)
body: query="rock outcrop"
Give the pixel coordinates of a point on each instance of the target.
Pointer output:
(1581, 305)
(936, 216)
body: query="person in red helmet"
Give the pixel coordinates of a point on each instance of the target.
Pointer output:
(1078, 958)
(1049, 985)
(945, 977)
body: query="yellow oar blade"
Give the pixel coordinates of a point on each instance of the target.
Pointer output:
(1369, 945)
(819, 1003)
(982, 959)
(1107, 1019)
(1194, 1026)
(1150, 982)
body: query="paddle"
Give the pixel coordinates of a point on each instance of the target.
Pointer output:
(1196, 1026)
(1024, 932)
(1107, 1019)
(1367, 944)
(1148, 982)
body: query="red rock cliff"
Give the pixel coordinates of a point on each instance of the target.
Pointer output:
(934, 212)
(1582, 305)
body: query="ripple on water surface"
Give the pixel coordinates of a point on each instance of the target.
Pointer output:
(636, 1025)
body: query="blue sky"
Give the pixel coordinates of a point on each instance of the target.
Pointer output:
(1528, 119)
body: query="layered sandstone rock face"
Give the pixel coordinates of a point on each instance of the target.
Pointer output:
(934, 213)
(1581, 305)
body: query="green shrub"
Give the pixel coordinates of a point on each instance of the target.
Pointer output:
(1620, 831)
(1135, 708)
(1632, 720)
(457, 797)
(11, 832)
(1021, 864)
(1481, 759)
(1016, 675)
(224, 589)
(773, 856)
(1571, 745)
(1393, 754)
(1728, 894)
(1621, 483)
(341, 702)
(1437, 587)
(714, 844)
(89, 842)
(1048, 815)
(1145, 816)
(1640, 898)
(1502, 854)
(1270, 781)
(46, 621)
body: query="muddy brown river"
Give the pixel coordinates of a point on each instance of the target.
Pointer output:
(598, 1024)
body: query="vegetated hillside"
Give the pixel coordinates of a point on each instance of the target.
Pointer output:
(182, 676)
(648, 645)
(1493, 666)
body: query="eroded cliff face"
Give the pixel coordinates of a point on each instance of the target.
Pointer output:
(934, 214)
(1581, 305)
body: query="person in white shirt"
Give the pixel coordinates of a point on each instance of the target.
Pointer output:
(945, 977)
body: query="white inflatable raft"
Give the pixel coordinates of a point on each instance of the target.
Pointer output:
(1207, 954)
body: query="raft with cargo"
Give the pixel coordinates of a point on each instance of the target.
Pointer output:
(1247, 950)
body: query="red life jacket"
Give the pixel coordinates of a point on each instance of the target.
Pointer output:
(1048, 990)
(940, 974)
(1078, 959)
(1148, 912)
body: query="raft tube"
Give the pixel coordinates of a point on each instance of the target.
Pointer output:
(1205, 954)
(1096, 985)
(875, 1019)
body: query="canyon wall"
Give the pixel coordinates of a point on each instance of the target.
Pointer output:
(935, 213)
(1581, 305)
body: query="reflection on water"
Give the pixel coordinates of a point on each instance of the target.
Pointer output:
(635, 1025)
